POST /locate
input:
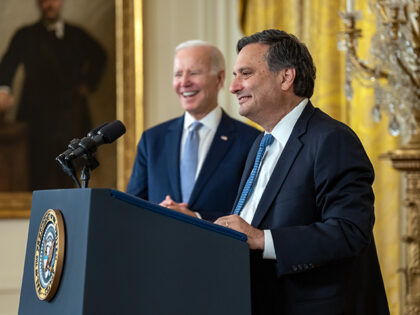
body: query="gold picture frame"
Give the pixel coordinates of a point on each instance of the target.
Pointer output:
(129, 92)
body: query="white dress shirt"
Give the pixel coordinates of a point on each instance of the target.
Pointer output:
(205, 133)
(281, 133)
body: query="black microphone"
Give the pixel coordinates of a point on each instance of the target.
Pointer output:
(94, 131)
(107, 133)
(73, 145)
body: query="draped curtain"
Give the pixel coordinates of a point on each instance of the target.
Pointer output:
(317, 24)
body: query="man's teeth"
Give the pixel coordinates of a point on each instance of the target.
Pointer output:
(186, 94)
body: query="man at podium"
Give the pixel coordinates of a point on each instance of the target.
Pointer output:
(194, 161)
(306, 199)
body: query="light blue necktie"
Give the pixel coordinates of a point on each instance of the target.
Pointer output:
(249, 185)
(189, 161)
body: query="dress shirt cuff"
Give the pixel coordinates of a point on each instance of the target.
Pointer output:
(5, 88)
(269, 252)
(198, 215)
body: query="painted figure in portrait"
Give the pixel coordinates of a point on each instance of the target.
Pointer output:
(62, 65)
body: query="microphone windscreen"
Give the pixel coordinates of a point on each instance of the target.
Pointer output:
(112, 131)
(94, 131)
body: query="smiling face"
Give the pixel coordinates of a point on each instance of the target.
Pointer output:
(194, 81)
(259, 91)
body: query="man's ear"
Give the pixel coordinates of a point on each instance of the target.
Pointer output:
(220, 79)
(287, 77)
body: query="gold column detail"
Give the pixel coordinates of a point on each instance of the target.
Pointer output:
(407, 161)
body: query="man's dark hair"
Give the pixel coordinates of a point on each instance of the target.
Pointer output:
(286, 51)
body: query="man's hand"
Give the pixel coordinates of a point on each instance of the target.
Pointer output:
(180, 207)
(6, 100)
(235, 222)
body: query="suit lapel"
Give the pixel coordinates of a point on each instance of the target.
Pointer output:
(172, 151)
(284, 164)
(222, 141)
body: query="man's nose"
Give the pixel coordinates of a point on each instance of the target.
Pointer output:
(185, 79)
(235, 86)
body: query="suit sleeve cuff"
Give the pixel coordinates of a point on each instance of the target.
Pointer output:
(269, 252)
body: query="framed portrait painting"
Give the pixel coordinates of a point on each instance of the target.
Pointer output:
(62, 79)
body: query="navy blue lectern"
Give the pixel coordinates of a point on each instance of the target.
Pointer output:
(124, 255)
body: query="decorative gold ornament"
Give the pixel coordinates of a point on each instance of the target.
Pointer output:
(407, 161)
(49, 254)
(393, 69)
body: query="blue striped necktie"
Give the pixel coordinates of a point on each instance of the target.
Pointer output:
(189, 161)
(249, 185)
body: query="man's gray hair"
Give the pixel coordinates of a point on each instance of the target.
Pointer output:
(217, 59)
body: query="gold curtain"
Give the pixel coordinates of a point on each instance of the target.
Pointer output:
(317, 23)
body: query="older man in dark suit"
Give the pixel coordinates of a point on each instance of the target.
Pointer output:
(193, 164)
(306, 201)
(62, 64)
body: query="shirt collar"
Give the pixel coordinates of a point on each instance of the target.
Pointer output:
(57, 27)
(282, 131)
(211, 120)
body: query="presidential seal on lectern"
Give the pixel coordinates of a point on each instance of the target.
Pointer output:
(49, 254)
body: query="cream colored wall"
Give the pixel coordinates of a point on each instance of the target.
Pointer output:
(13, 237)
(170, 22)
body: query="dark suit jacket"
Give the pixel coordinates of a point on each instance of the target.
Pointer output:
(156, 168)
(318, 205)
